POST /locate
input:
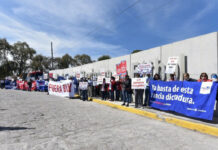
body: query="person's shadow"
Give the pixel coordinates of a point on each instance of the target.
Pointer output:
(14, 128)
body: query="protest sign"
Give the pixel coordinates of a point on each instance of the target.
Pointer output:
(144, 68)
(64, 88)
(172, 64)
(194, 99)
(100, 80)
(121, 69)
(83, 85)
(138, 83)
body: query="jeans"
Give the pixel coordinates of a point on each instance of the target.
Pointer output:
(127, 97)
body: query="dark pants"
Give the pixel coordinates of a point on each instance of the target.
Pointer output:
(139, 97)
(117, 95)
(112, 95)
(84, 95)
(103, 95)
(147, 95)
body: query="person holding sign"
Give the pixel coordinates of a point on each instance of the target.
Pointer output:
(112, 88)
(127, 91)
(103, 90)
(204, 78)
(138, 94)
(147, 90)
(83, 85)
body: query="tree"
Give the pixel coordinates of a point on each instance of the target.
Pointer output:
(22, 55)
(7, 69)
(82, 59)
(104, 57)
(41, 63)
(5, 49)
(67, 61)
(56, 63)
(136, 51)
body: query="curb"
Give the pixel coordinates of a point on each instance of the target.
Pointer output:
(178, 122)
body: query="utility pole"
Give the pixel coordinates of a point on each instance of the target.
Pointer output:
(52, 56)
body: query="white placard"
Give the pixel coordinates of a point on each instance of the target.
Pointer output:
(64, 88)
(172, 64)
(107, 80)
(94, 83)
(145, 68)
(138, 83)
(100, 79)
(206, 87)
(83, 85)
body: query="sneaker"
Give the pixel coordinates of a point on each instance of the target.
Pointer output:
(123, 104)
(127, 105)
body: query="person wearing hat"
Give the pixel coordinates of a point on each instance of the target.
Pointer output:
(214, 77)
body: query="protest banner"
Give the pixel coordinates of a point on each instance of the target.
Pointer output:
(121, 69)
(83, 85)
(194, 99)
(64, 88)
(172, 64)
(41, 85)
(138, 83)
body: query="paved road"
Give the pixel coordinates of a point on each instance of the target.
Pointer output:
(31, 120)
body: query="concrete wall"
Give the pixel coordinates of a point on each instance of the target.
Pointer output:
(200, 53)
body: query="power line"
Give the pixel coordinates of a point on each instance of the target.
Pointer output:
(119, 14)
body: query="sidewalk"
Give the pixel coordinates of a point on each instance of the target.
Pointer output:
(200, 125)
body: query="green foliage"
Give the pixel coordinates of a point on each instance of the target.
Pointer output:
(82, 59)
(136, 51)
(23, 59)
(41, 63)
(5, 49)
(104, 57)
(67, 61)
(22, 53)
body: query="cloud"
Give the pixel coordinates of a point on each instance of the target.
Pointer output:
(67, 24)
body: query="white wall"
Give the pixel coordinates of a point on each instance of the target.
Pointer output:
(201, 55)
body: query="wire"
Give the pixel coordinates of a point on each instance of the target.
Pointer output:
(124, 10)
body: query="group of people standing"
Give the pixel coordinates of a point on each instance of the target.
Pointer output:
(120, 90)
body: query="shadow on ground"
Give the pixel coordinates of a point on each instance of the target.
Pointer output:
(14, 128)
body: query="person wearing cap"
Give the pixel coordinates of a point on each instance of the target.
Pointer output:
(214, 77)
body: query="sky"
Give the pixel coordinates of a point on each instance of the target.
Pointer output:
(104, 27)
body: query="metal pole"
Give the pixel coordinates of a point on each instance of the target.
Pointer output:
(52, 56)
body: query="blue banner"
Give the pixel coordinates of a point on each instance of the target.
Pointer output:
(194, 99)
(41, 85)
